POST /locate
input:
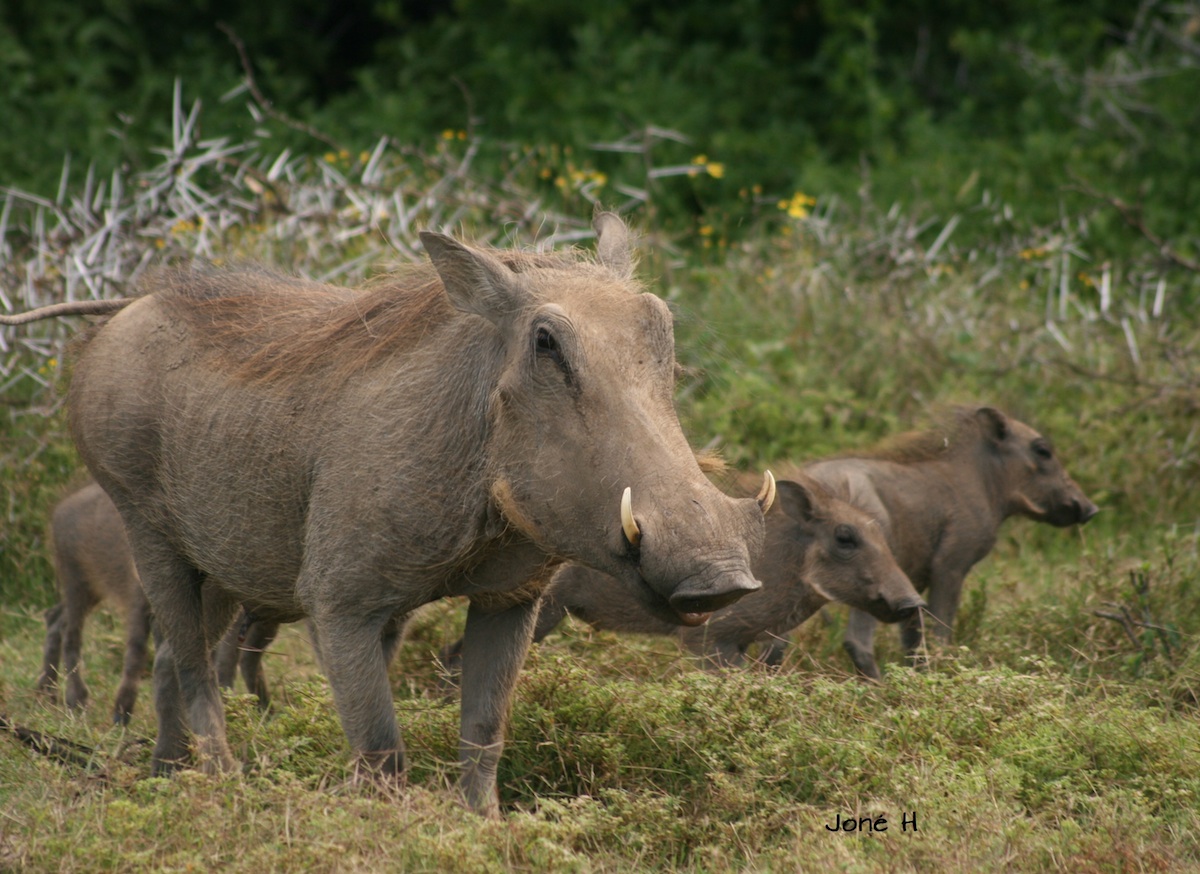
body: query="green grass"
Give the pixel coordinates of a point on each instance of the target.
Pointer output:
(622, 756)
(1045, 737)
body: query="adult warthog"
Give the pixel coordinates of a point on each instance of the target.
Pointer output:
(818, 549)
(351, 455)
(93, 563)
(941, 496)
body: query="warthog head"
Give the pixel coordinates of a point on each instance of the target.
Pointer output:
(1035, 482)
(847, 559)
(586, 456)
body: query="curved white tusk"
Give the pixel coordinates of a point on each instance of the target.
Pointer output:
(767, 496)
(632, 533)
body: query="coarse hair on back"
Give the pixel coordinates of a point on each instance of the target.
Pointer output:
(267, 327)
(953, 429)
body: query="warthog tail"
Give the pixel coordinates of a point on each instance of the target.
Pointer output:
(69, 308)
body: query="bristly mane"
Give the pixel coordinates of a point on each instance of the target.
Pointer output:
(268, 326)
(952, 431)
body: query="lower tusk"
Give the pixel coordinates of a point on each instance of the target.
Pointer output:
(767, 496)
(632, 533)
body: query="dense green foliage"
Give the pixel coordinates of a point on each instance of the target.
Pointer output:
(785, 95)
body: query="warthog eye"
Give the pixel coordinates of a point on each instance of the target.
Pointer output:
(1041, 450)
(846, 538)
(546, 346)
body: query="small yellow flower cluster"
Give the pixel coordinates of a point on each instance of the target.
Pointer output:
(334, 157)
(1086, 279)
(449, 134)
(1030, 254)
(51, 364)
(715, 169)
(798, 205)
(578, 178)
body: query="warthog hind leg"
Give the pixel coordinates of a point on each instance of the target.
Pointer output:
(190, 615)
(52, 652)
(137, 634)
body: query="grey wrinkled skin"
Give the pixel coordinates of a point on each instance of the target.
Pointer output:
(941, 500)
(347, 456)
(93, 562)
(818, 549)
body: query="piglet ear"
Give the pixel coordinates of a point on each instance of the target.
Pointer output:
(614, 248)
(795, 499)
(475, 281)
(993, 423)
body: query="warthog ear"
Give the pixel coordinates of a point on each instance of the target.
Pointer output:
(614, 249)
(475, 281)
(993, 423)
(795, 499)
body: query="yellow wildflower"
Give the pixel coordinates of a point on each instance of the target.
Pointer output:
(797, 205)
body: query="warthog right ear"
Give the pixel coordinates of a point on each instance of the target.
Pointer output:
(614, 248)
(475, 281)
(993, 423)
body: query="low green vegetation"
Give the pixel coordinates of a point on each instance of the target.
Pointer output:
(1058, 732)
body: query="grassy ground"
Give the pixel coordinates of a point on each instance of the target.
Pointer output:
(1047, 737)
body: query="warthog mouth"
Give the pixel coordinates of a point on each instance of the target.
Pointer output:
(686, 601)
(691, 605)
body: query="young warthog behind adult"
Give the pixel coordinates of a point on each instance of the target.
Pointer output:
(93, 562)
(940, 497)
(351, 455)
(818, 549)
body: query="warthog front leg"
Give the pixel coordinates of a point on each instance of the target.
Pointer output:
(352, 654)
(859, 643)
(243, 647)
(137, 633)
(945, 592)
(493, 649)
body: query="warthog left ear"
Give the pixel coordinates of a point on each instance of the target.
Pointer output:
(993, 422)
(475, 281)
(795, 499)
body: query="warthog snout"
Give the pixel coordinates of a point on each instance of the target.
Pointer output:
(1072, 510)
(1085, 510)
(886, 610)
(694, 603)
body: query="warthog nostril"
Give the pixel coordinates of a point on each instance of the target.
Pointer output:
(908, 608)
